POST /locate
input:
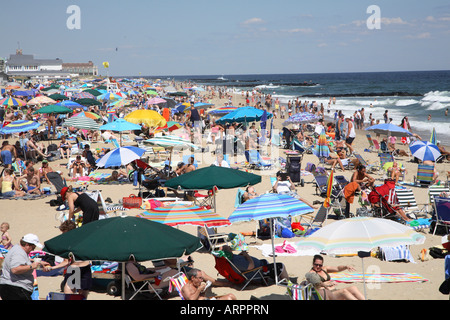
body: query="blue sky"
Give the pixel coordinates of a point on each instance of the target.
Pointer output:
(196, 37)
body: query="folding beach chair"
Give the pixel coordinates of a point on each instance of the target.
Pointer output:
(371, 145)
(303, 291)
(385, 157)
(141, 286)
(210, 238)
(300, 147)
(178, 281)
(321, 184)
(230, 272)
(376, 145)
(441, 213)
(256, 161)
(361, 160)
(424, 176)
(407, 201)
(317, 221)
(435, 191)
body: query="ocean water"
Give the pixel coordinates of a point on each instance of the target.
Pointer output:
(415, 94)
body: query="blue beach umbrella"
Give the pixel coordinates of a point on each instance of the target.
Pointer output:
(120, 125)
(243, 114)
(120, 157)
(72, 104)
(300, 118)
(19, 126)
(424, 150)
(269, 206)
(390, 130)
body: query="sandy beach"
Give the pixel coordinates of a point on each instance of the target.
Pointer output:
(37, 216)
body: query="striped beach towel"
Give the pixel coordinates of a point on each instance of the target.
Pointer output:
(178, 283)
(397, 253)
(377, 277)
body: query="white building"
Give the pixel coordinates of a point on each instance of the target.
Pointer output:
(26, 65)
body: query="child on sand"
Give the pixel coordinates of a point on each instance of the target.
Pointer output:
(6, 238)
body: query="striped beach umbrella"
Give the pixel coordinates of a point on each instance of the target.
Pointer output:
(424, 150)
(302, 117)
(41, 100)
(433, 138)
(321, 149)
(120, 157)
(19, 126)
(12, 102)
(87, 114)
(349, 236)
(82, 123)
(176, 214)
(269, 205)
(109, 96)
(171, 143)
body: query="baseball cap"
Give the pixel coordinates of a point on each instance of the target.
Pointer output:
(32, 239)
(44, 161)
(63, 193)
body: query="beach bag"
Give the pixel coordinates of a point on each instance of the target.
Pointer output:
(310, 167)
(132, 202)
(238, 242)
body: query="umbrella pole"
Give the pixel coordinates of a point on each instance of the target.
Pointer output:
(364, 278)
(123, 280)
(273, 251)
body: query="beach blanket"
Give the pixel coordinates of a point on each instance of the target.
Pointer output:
(266, 250)
(99, 178)
(377, 277)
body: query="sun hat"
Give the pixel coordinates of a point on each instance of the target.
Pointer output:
(32, 239)
(63, 193)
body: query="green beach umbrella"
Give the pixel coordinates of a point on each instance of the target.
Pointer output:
(209, 177)
(53, 108)
(88, 102)
(58, 96)
(119, 238)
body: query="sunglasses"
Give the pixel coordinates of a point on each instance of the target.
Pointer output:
(318, 265)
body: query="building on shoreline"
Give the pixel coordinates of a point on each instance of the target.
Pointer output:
(82, 69)
(25, 65)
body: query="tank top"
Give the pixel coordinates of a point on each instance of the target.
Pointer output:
(6, 186)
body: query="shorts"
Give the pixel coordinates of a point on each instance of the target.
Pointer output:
(9, 194)
(6, 157)
(349, 140)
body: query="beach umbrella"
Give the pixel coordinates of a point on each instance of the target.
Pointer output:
(154, 101)
(109, 96)
(243, 114)
(424, 150)
(202, 105)
(82, 123)
(174, 214)
(53, 108)
(121, 238)
(86, 114)
(183, 107)
(23, 93)
(19, 126)
(269, 206)
(433, 138)
(389, 129)
(321, 149)
(120, 125)
(12, 102)
(120, 157)
(214, 176)
(361, 234)
(330, 181)
(94, 92)
(151, 92)
(222, 110)
(58, 96)
(149, 117)
(88, 102)
(83, 95)
(41, 100)
(171, 126)
(72, 104)
(301, 118)
(121, 103)
(171, 143)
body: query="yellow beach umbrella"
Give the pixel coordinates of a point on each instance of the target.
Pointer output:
(148, 117)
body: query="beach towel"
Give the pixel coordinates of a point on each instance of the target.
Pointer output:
(397, 253)
(285, 248)
(377, 277)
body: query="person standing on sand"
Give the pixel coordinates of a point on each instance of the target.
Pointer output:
(351, 134)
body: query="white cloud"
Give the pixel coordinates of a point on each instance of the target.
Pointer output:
(423, 35)
(252, 21)
(322, 45)
(299, 30)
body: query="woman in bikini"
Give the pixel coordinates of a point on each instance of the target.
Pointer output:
(329, 286)
(51, 120)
